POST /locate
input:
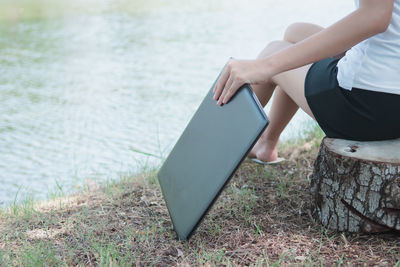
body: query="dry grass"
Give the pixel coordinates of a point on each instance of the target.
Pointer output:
(261, 219)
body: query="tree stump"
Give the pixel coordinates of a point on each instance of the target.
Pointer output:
(356, 185)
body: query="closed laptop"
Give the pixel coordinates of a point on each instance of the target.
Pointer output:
(210, 149)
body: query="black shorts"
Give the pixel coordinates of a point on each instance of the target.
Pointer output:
(361, 115)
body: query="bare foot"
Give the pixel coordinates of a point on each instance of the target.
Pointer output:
(264, 150)
(252, 153)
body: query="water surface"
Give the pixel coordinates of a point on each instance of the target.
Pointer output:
(89, 94)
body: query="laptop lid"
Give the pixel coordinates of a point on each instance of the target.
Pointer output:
(210, 149)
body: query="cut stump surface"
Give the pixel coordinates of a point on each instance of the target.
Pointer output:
(356, 185)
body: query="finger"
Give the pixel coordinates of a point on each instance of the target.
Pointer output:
(228, 85)
(231, 91)
(220, 84)
(229, 82)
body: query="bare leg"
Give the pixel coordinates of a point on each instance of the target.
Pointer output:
(288, 97)
(286, 101)
(282, 110)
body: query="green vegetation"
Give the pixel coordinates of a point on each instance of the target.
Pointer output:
(263, 218)
(17, 10)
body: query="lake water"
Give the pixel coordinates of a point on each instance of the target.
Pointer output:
(102, 91)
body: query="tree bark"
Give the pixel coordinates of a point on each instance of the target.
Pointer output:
(356, 185)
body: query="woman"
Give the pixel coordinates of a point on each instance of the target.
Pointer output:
(356, 97)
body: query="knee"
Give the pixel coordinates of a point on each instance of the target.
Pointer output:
(277, 44)
(291, 32)
(273, 47)
(299, 31)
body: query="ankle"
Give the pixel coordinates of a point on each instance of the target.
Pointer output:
(270, 143)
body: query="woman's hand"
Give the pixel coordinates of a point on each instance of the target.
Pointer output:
(235, 74)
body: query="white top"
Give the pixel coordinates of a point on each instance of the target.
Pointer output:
(374, 64)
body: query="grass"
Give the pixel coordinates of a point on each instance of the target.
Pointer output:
(261, 219)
